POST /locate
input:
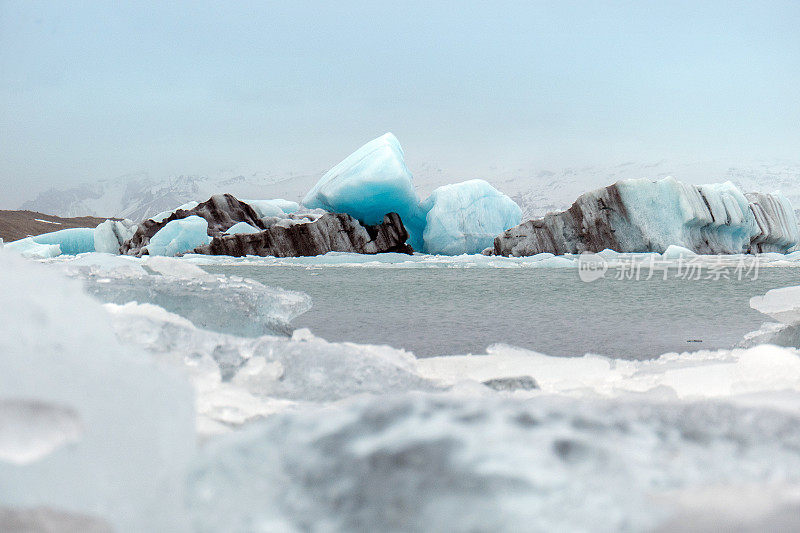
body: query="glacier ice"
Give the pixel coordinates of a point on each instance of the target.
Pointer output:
(464, 218)
(179, 236)
(368, 184)
(640, 215)
(110, 434)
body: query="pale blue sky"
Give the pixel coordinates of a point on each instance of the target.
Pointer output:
(92, 90)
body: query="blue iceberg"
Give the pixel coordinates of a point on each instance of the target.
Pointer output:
(370, 183)
(464, 218)
(179, 236)
(73, 241)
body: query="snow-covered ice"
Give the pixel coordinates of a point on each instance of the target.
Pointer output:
(464, 218)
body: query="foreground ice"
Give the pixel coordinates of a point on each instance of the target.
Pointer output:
(219, 303)
(452, 463)
(241, 379)
(343, 437)
(782, 305)
(88, 425)
(368, 184)
(464, 218)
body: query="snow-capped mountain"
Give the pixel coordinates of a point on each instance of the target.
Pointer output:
(138, 197)
(537, 191)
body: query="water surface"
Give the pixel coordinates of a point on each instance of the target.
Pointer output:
(438, 311)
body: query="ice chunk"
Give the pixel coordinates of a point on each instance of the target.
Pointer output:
(273, 208)
(781, 304)
(773, 333)
(72, 241)
(427, 462)
(242, 227)
(674, 251)
(464, 218)
(30, 249)
(179, 236)
(370, 183)
(219, 303)
(62, 362)
(303, 368)
(109, 235)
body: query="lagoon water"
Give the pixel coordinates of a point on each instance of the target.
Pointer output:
(443, 311)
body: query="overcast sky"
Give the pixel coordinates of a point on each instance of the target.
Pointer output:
(93, 90)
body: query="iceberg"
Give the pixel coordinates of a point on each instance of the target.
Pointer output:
(109, 235)
(72, 241)
(219, 212)
(88, 425)
(314, 235)
(106, 237)
(370, 183)
(464, 218)
(640, 215)
(179, 236)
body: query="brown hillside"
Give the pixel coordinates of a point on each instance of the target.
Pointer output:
(20, 224)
